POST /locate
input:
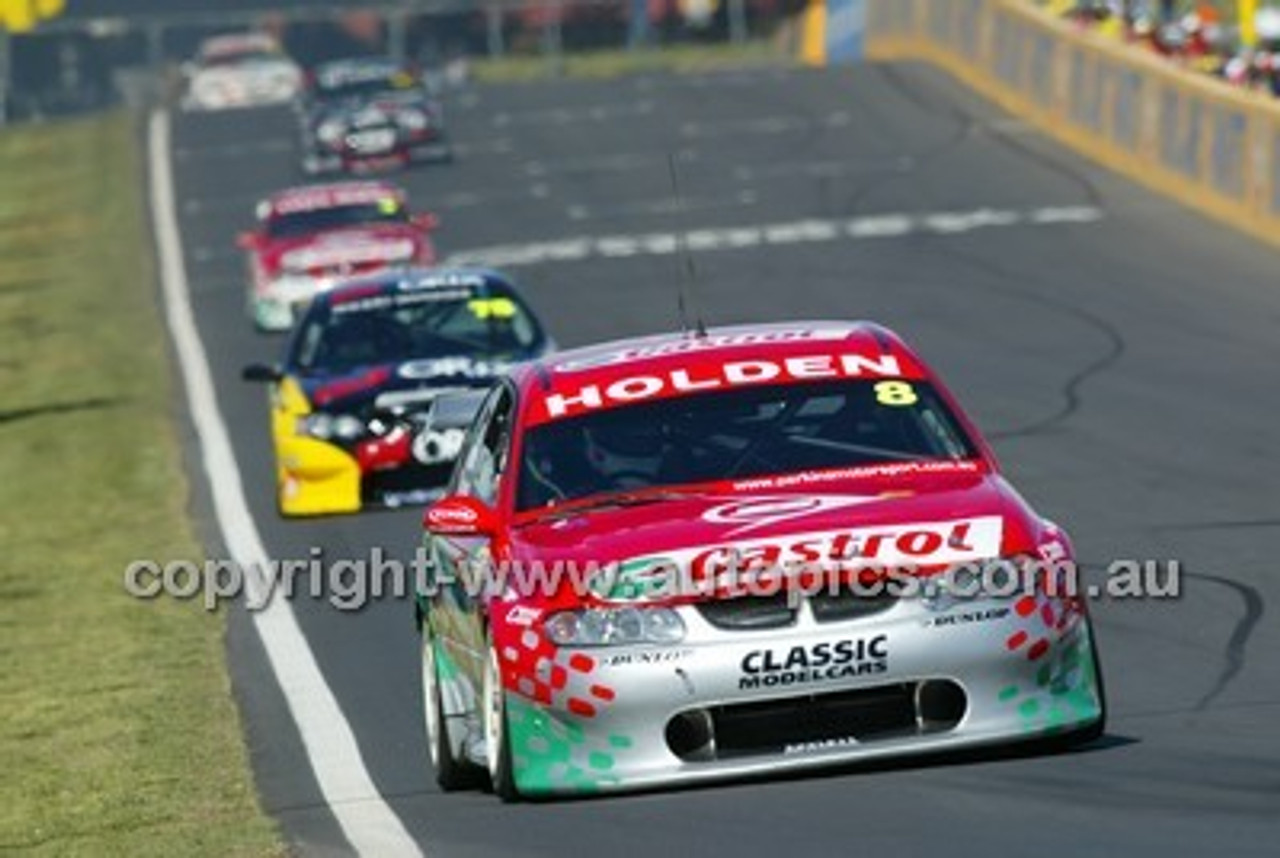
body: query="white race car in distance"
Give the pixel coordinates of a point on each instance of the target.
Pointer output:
(241, 70)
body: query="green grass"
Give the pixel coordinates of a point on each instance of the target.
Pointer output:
(119, 735)
(620, 62)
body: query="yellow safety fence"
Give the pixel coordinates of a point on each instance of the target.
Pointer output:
(1196, 139)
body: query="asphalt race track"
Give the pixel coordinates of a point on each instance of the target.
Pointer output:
(1121, 353)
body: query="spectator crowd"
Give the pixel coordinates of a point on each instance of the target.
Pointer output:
(1201, 35)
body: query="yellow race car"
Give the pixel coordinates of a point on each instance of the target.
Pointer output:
(380, 379)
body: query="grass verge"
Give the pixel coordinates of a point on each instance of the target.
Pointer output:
(620, 62)
(119, 735)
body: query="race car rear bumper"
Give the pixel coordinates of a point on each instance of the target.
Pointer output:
(239, 97)
(272, 315)
(324, 163)
(279, 306)
(605, 719)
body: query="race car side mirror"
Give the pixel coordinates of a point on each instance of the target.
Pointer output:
(261, 372)
(248, 240)
(459, 515)
(426, 221)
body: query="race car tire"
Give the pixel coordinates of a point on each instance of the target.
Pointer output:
(452, 774)
(496, 741)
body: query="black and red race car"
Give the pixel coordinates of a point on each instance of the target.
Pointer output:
(370, 404)
(369, 114)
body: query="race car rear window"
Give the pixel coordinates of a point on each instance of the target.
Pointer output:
(751, 432)
(360, 82)
(298, 224)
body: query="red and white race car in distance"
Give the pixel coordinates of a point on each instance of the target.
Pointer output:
(693, 557)
(311, 238)
(241, 70)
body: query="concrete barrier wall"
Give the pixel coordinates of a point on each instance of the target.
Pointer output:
(1191, 137)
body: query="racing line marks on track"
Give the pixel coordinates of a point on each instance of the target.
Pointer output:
(211, 255)
(471, 199)
(1234, 652)
(493, 146)
(234, 150)
(571, 115)
(710, 79)
(745, 197)
(620, 162)
(824, 169)
(806, 231)
(1007, 282)
(368, 823)
(764, 125)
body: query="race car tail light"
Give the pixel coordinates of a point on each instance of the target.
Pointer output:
(384, 449)
(331, 133)
(615, 626)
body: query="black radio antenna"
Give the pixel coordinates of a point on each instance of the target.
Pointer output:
(690, 268)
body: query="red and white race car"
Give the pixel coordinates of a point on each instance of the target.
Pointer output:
(309, 239)
(695, 557)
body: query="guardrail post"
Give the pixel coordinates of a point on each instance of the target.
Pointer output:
(1250, 158)
(1268, 166)
(1107, 102)
(1061, 110)
(553, 37)
(493, 20)
(1204, 155)
(986, 37)
(637, 24)
(737, 21)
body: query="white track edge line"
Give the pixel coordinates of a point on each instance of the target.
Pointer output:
(368, 822)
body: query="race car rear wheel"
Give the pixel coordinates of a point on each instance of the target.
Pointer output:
(451, 773)
(496, 743)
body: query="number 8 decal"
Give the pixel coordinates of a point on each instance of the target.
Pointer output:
(895, 393)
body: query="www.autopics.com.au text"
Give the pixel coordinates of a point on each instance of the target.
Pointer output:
(349, 584)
